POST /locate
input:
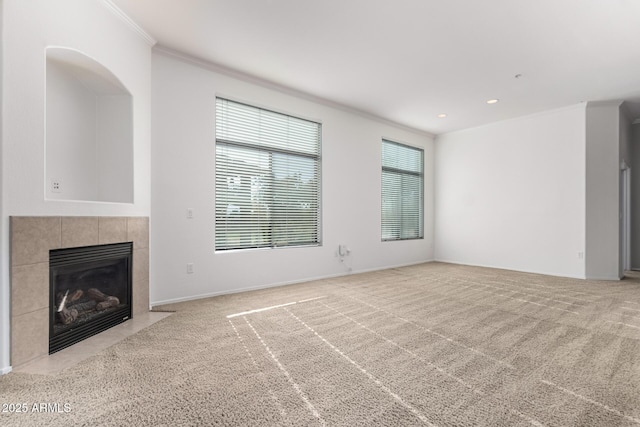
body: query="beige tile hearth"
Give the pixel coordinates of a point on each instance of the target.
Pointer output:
(71, 356)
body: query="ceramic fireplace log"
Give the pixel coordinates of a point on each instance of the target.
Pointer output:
(84, 306)
(108, 303)
(64, 301)
(67, 315)
(75, 296)
(96, 295)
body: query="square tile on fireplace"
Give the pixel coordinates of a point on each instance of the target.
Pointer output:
(140, 294)
(138, 231)
(29, 336)
(29, 288)
(33, 237)
(79, 231)
(112, 230)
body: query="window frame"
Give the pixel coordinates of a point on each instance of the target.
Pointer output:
(403, 173)
(270, 150)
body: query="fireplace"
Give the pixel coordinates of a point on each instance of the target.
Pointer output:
(90, 291)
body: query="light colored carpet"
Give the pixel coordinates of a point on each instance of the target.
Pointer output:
(432, 344)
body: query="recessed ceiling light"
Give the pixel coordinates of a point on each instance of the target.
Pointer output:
(492, 101)
(442, 116)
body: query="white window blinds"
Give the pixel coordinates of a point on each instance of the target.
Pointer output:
(402, 191)
(267, 178)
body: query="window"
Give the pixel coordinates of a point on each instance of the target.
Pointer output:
(402, 191)
(267, 178)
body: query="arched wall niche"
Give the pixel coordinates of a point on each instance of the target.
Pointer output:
(89, 130)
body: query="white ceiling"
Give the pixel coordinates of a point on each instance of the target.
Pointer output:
(409, 60)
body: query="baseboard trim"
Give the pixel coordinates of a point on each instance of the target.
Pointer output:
(569, 276)
(273, 285)
(5, 370)
(605, 279)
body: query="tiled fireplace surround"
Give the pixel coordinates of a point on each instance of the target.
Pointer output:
(32, 237)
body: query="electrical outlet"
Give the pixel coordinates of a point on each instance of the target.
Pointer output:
(580, 255)
(56, 186)
(190, 213)
(190, 268)
(343, 250)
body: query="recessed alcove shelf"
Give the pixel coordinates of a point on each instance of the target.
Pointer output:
(89, 131)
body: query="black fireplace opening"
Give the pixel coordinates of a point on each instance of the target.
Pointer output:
(90, 291)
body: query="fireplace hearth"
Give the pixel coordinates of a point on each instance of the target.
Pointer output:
(90, 291)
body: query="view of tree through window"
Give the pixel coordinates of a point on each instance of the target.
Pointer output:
(267, 178)
(402, 191)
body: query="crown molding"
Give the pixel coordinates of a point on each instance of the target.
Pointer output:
(250, 78)
(606, 103)
(130, 22)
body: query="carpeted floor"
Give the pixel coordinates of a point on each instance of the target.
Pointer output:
(432, 344)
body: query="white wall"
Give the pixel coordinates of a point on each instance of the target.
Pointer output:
(635, 195)
(624, 160)
(89, 133)
(90, 27)
(603, 191)
(184, 176)
(512, 194)
(115, 164)
(5, 291)
(70, 135)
